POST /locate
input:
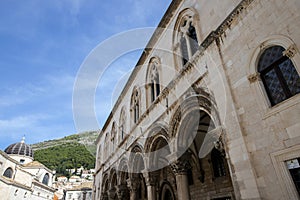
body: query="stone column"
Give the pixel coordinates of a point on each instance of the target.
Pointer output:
(122, 192)
(151, 179)
(180, 168)
(133, 185)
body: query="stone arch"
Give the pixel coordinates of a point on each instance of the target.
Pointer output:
(105, 187)
(123, 171)
(123, 177)
(113, 178)
(166, 191)
(194, 99)
(156, 129)
(159, 152)
(136, 159)
(195, 113)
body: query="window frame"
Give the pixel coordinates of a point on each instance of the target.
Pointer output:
(256, 84)
(275, 65)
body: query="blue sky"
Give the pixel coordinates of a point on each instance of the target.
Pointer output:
(43, 44)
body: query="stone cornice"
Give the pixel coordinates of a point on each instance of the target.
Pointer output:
(14, 183)
(35, 182)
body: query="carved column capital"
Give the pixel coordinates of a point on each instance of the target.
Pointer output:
(254, 77)
(290, 51)
(181, 165)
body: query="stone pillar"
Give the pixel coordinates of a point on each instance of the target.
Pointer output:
(111, 194)
(180, 168)
(151, 179)
(133, 185)
(122, 192)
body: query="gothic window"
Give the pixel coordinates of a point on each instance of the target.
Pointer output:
(46, 179)
(106, 147)
(113, 132)
(8, 173)
(153, 80)
(135, 105)
(188, 39)
(122, 124)
(99, 154)
(278, 74)
(218, 163)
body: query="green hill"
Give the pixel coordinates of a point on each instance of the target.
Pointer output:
(67, 153)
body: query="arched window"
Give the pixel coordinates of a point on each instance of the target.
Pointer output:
(113, 132)
(188, 38)
(135, 105)
(153, 79)
(46, 179)
(106, 147)
(8, 173)
(122, 124)
(218, 163)
(278, 74)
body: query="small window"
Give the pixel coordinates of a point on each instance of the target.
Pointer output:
(46, 179)
(294, 168)
(135, 105)
(8, 173)
(218, 163)
(278, 74)
(22, 161)
(154, 79)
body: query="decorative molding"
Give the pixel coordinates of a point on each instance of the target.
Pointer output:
(290, 51)
(254, 77)
(181, 165)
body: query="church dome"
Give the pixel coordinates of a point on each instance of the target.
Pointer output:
(19, 148)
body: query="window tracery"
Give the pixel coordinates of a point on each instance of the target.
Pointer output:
(278, 74)
(135, 105)
(153, 87)
(187, 38)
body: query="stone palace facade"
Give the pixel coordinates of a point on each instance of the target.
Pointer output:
(212, 108)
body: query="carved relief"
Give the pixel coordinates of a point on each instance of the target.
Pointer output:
(290, 51)
(254, 77)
